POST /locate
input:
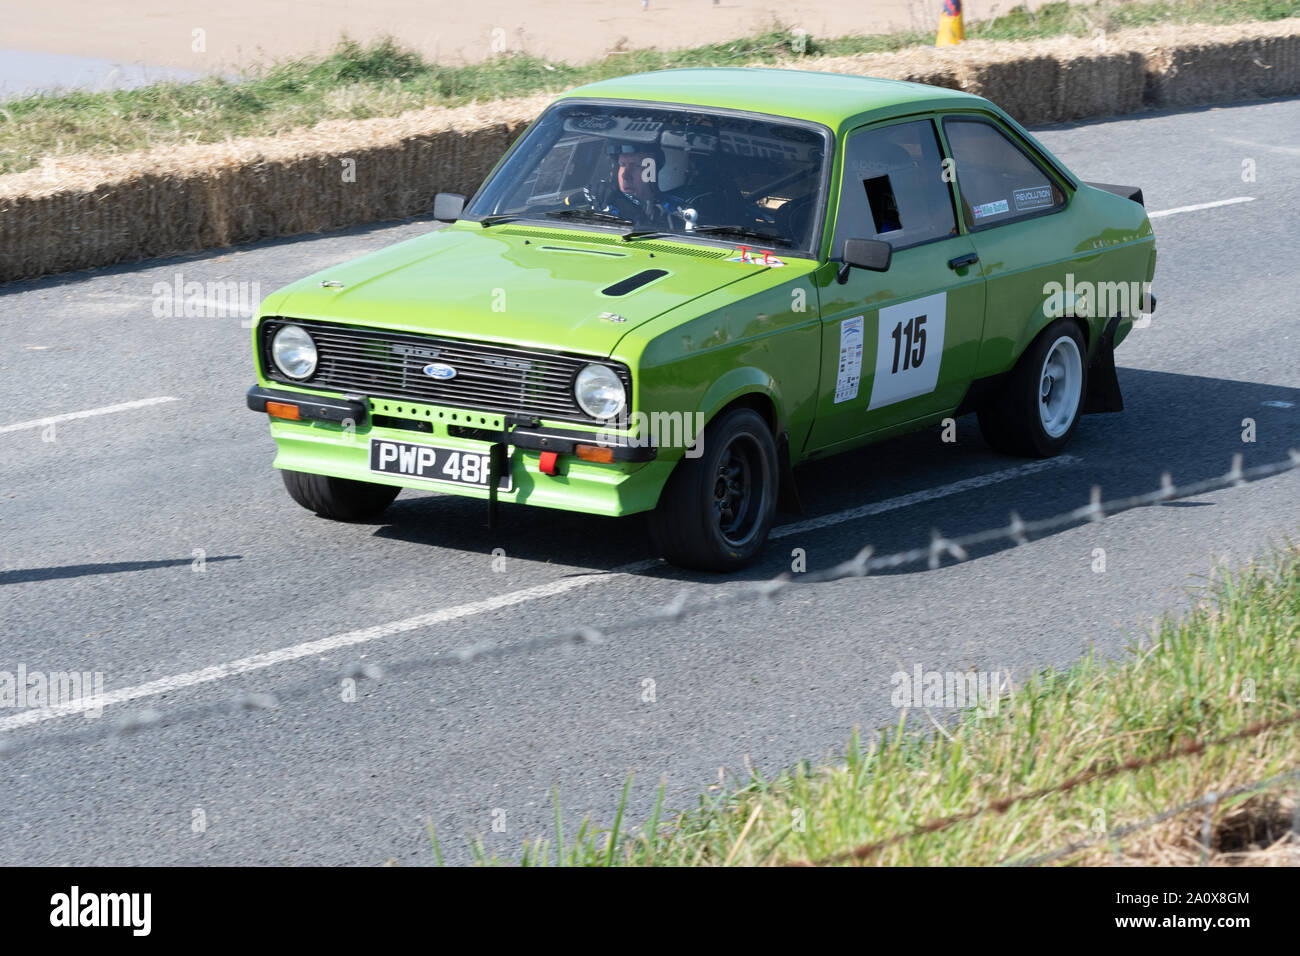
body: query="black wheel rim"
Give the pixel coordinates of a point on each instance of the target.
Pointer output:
(739, 491)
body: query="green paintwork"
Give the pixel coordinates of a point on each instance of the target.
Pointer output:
(714, 331)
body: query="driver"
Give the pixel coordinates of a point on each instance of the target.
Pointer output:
(636, 193)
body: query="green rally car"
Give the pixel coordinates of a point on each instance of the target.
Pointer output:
(675, 287)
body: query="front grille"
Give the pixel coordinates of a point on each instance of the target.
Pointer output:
(490, 378)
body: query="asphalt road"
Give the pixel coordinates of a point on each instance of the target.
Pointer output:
(99, 530)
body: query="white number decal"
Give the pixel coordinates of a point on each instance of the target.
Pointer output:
(452, 465)
(909, 349)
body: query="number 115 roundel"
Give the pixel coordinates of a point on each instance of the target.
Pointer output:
(677, 287)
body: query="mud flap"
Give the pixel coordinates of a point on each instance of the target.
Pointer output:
(787, 498)
(1103, 383)
(496, 467)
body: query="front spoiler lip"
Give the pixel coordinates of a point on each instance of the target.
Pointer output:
(565, 442)
(531, 437)
(318, 407)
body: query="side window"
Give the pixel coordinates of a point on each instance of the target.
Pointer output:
(999, 182)
(894, 188)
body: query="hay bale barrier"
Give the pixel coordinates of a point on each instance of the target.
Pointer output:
(1234, 63)
(85, 211)
(93, 210)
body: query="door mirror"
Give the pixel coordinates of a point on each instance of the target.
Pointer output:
(873, 254)
(447, 207)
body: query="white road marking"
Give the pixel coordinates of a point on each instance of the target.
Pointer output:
(167, 685)
(244, 665)
(916, 497)
(1200, 205)
(89, 413)
(1290, 150)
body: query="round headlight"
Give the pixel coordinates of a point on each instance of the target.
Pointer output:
(294, 352)
(599, 391)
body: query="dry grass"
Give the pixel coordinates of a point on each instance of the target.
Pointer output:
(1257, 832)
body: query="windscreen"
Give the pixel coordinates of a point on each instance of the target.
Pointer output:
(674, 171)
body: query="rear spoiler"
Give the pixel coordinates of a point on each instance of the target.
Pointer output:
(1128, 192)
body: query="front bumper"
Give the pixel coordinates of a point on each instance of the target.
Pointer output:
(330, 436)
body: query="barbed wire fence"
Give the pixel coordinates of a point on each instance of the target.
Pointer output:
(1017, 532)
(1093, 774)
(1208, 801)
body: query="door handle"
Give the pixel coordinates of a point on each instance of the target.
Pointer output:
(969, 259)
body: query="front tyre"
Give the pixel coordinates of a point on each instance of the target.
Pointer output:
(715, 510)
(1038, 409)
(339, 499)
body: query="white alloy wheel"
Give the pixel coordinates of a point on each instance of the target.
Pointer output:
(1060, 386)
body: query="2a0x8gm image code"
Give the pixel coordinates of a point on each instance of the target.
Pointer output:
(1194, 898)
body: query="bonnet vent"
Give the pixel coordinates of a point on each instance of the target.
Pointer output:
(634, 282)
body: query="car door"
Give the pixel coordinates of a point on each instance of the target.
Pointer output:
(899, 345)
(1010, 202)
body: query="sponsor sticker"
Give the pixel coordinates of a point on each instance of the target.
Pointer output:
(996, 208)
(1034, 197)
(849, 375)
(755, 257)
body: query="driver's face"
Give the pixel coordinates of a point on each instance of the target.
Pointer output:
(631, 178)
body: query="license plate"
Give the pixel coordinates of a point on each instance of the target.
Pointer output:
(432, 463)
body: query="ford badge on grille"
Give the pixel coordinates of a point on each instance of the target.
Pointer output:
(439, 370)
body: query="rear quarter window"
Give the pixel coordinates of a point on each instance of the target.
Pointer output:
(999, 181)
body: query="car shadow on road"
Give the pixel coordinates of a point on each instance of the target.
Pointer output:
(1187, 425)
(21, 575)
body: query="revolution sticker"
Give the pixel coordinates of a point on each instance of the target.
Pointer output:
(991, 208)
(1035, 197)
(849, 375)
(909, 349)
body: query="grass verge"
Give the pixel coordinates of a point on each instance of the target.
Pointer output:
(1230, 662)
(382, 79)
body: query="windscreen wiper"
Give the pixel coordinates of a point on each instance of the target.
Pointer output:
(499, 217)
(743, 232)
(590, 215)
(646, 234)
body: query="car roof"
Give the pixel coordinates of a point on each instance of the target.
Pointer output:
(832, 99)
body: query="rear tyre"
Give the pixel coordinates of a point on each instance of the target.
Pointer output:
(339, 499)
(1038, 409)
(715, 511)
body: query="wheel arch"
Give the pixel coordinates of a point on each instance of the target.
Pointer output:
(1046, 314)
(742, 388)
(749, 387)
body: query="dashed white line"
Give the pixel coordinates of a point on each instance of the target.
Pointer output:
(284, 655)
(1199, 206)
(916, 497)
(88, 413)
